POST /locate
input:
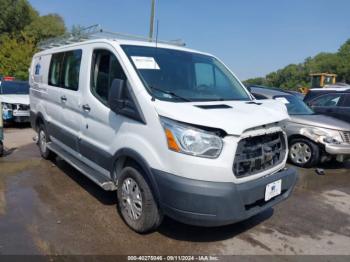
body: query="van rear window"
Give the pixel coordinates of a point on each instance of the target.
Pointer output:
(55, 69)
(65, 69)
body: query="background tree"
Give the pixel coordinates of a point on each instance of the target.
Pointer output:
(15, 56)
(45, 27)
(343, 68)
(15, 15)
(21, 29)
(256, 81)
(294, 76)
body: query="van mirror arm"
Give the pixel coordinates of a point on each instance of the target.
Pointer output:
(122, 101)
(115, 95)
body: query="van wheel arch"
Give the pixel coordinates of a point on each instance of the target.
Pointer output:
(38, 121)
(129, 157)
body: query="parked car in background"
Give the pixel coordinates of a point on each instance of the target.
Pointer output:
(312, 137)
(297, 94)
(1, 133)
(14, 96)
(332, 101)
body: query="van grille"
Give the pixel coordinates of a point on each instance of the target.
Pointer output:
(346, 137)
(259, 153)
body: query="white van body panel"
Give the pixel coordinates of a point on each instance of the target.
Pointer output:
(109, 132)
(197, 189)
(230, 120)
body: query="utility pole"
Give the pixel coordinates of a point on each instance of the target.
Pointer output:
(151, 26)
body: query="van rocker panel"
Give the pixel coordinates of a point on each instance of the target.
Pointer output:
(205, 203)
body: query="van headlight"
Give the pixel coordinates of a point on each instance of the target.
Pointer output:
(190, 140)
(323, 135)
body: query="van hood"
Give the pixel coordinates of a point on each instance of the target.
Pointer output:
(321, 121)
(15, 99)
(234, 117)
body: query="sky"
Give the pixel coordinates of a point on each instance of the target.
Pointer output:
(252, 37)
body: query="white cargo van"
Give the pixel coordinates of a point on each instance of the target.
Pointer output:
(171, 129)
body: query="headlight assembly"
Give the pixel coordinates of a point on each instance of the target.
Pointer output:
(323, 135)
(330, 140)
(190, 140)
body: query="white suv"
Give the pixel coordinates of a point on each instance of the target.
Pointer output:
(171, 128)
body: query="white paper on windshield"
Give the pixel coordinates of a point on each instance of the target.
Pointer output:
(144, 62)
(282, 99)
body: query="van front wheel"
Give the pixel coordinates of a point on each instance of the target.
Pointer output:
(136, 203)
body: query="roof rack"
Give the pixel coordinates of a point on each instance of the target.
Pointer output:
(96, 32)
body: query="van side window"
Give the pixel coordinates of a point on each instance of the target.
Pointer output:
(105, 68)
(64, 69)
(71, 70)
(55, 69)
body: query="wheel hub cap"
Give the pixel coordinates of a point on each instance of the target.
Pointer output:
(42, 141)
(131, 198)
(300, 153)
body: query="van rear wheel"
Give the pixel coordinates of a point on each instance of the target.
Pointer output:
(43, 139)
(136, 203)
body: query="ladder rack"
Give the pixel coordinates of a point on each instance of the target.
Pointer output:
(96, 32)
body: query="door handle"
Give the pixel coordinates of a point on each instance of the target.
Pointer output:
(86, 108)
(63, 99)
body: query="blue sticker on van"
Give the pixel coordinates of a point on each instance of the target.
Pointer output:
(37, 69)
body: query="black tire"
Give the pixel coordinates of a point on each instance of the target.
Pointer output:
(44, 150)
(1, 148)
(150, 217)
(314, 152)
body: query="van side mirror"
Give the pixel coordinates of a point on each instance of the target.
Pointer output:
(115, 95)
(122, 101)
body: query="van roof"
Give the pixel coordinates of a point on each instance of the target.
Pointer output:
(95, 34)
(119, 42)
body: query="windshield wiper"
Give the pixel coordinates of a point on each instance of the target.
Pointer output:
(170, 93)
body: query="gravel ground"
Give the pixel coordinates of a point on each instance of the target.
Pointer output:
(50, 208)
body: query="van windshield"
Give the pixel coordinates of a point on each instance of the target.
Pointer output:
(175, 75)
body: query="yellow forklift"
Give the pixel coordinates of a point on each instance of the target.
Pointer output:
(319, 80)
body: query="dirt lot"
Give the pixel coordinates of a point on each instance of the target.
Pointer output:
(49, 208)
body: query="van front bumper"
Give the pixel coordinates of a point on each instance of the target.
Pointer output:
(205, 203)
